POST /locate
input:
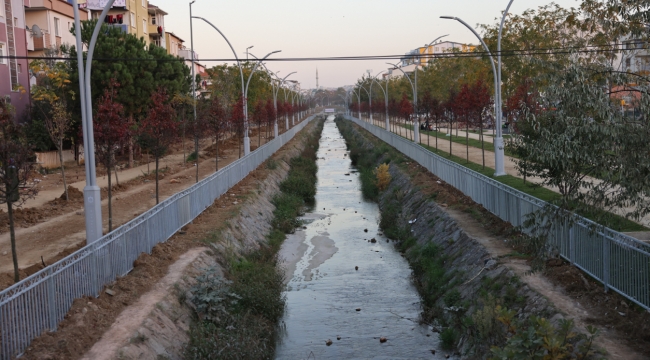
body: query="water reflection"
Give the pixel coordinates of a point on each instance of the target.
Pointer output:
(327, 297)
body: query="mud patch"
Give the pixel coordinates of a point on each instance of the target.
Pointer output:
(324, 249)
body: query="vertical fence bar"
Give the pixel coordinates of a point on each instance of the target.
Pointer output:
(619, 261)
(40, 301)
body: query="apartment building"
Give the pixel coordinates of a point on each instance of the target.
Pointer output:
(174, 44)
(50, 23)
(157, 26)
(14, 73)
(132, 16)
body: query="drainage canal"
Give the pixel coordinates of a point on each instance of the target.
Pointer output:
(348, 297)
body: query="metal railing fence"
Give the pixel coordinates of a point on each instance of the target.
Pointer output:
(620, 262)
(39, 302)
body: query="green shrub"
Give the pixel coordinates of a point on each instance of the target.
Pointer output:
(448, 339)
(191, 157)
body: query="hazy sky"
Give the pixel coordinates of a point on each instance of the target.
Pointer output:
(329, 28)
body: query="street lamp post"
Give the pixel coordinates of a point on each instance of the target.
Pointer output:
(275, 93)
(244, 87)
(357, 93)
(92, 193)
(374, 79)
(196, 142)
(369, 100)
(416, 125)
(241, 71)
(499, 156)
(293, 97)
(247, 140)
(248, 48)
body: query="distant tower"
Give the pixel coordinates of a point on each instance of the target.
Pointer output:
(316, 78)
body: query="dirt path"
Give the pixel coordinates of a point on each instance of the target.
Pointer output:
(49, 241)
(104, 325)
(608, 340)
(476, 156)
(132, 317)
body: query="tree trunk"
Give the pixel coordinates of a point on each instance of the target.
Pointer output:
(216, 150)
(196, 151)
(117, 181)
(110, 198)
(157, 181)
(183, 144)
(130, 153)
(436, 133)
(482, 143)
(467, 138)
(450, 136)
(65, 184)
(12, 235)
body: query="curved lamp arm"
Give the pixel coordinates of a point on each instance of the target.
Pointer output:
(241, 72)
(409, 78)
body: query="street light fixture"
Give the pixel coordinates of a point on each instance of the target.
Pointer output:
(499, 156)
(416, 125)
(247, 140)
(92, 194)
(275, 93)
(244, 88)
(248, 48)
(374, 79)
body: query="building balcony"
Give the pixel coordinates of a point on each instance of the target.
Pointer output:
(153, 30)
(187, 54)
(99, 4)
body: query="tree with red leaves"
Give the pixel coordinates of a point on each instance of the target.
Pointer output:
(463, 105)
(159, 129)
(521, 103)
(217, 122)
(405, 110)
(271, 117)
(259, 116)
(110, 129)
(393, 111)
(16, 159)
(450, 108)
(480, 104)
(237, 120)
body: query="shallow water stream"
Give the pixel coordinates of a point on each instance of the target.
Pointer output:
(327, 299)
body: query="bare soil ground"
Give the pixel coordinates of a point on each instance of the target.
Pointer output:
(89, 318)
(49, 232)
(573, 293)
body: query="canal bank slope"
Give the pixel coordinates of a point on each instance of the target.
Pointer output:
(147, 314)
(476, 288)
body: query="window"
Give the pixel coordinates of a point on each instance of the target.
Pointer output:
(56, 27)
(153, 20)
(2, 11)
(2, 53)
(628, 62)
(144, 3)
(132, 19)
(144, 25)
(20, 68)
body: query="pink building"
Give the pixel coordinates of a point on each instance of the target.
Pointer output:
(14, 73)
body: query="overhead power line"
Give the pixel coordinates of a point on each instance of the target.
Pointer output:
(504, 53)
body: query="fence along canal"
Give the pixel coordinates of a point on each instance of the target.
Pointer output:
(620, 262)
(38, 303)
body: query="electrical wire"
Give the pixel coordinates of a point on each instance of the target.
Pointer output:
(612, 48)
